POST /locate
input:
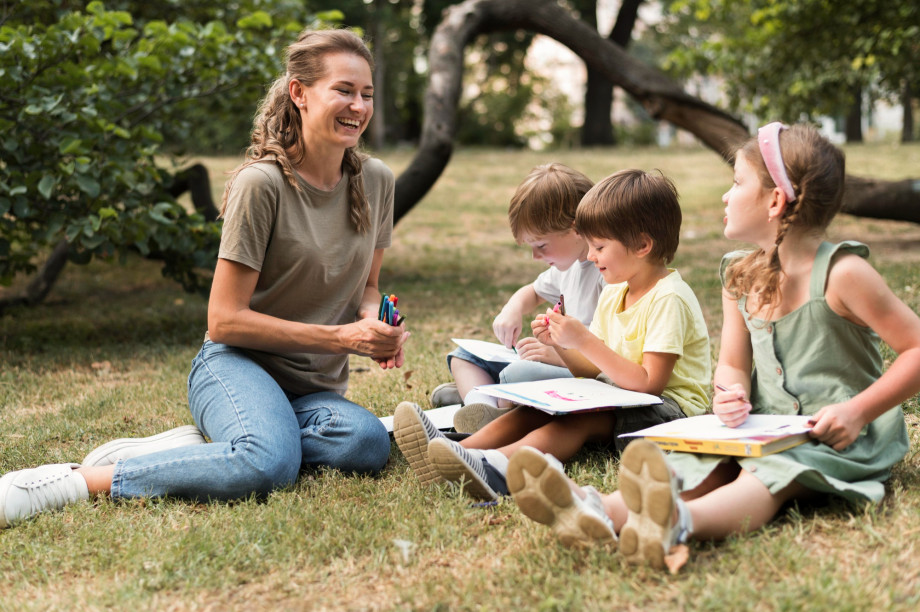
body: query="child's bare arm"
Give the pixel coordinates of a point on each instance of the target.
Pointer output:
(509, 322)
(733, 371)
(586, 355)
(857, 292)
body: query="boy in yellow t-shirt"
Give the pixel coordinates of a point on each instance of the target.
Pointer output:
(648, 334)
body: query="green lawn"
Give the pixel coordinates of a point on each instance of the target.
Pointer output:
(107, 356)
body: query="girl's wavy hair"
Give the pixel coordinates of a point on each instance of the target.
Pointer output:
(277, 132)
(816, 169)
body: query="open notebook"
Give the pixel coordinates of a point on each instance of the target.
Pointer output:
(759, 435)
(569, 395)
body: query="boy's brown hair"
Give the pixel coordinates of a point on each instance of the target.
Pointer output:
(628, 204)
(546, 200)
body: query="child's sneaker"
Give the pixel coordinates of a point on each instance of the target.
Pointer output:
(456, 464)
(25, 493)
(445, 394)
(658, 519)
(473, 417)
(128, 448)
(413, 430)
(544, 493)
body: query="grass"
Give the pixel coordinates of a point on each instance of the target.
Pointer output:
(107, 356)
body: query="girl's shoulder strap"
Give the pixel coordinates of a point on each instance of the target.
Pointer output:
(825, 257)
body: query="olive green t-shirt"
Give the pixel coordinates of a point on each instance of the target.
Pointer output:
(312, 263)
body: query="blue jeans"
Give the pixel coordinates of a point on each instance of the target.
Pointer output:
(261, 436)
(530, 371)
(516, 371)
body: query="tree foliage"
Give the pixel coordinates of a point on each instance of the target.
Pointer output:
(86, 101)
(794, 59)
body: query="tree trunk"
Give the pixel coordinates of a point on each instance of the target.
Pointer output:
(597, 130)
(598, 127)
(853, 128)
(378, 122)
(662, 98)
(907, 106)
(40, 285)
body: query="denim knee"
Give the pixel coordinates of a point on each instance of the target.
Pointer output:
(263, 466)
(372, 446)
(364, 450)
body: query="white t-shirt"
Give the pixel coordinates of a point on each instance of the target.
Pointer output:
(581, 285)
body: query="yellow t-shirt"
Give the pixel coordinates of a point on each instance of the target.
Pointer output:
(667, 319)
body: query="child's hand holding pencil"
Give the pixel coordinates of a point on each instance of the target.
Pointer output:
(731, 405)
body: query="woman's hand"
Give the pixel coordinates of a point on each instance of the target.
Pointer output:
(507, 326)
(837, 425)
(730, 404)
(375, 339)
(531, 349)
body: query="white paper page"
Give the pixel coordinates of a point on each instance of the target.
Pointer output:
(443, 418)
(568, 394)
(709, 427)
(490, 351)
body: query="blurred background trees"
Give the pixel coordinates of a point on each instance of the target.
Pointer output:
(101, 103)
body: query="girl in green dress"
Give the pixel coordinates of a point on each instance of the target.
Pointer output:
(801, 329)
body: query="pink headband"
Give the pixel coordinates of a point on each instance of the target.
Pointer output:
(768, 139)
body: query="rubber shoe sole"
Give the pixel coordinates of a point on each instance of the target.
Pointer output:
(544, 494)
(445, 394)
(128, 448)
(412, 438)
(645, 482)
(473, 417)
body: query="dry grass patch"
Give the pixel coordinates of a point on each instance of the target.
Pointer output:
(328, 543)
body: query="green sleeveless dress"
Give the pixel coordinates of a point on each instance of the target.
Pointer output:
(803, 361)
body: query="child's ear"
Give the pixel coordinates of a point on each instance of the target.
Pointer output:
(645, 245)
(777, 207)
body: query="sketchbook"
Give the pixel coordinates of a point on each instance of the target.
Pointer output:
(759, 435)
(569, 395)
(488, 351)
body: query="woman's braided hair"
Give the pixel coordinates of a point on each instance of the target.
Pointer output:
(277, 131)
(816, 169)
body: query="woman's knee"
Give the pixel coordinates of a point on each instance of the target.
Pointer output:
(368, 449)
(263, 466)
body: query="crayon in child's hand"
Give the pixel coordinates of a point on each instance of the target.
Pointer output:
(560, 305)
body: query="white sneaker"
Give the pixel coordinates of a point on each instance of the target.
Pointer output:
(128, 448)
(658, 520)
(473, 417)
(25, 493)
(445, 394)
(544, 493)
(413, 430)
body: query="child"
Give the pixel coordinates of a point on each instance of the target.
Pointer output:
(542, 216)
(648, 334)
(806, 315)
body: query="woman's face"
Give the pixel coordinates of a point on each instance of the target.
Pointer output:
(337, 108)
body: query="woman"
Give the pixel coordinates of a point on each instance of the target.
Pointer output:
(294, 293)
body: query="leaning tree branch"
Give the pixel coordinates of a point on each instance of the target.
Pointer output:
(661, 96)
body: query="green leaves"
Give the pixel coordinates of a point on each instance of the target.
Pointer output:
(89, 98)
(779, 58)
